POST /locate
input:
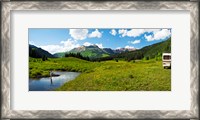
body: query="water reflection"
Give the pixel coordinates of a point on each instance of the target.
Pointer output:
(51, 83)
(51, 80)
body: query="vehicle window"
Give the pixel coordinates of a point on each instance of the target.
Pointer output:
(167, 57)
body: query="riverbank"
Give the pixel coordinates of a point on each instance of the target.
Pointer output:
(39, 68)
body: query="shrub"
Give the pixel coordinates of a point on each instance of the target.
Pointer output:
(130, 76)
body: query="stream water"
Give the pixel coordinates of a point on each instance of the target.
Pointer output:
(51, 83)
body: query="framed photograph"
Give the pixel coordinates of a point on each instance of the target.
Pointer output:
(110, 59)
(100, 59)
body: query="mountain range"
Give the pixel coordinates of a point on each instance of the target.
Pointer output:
(93, 51)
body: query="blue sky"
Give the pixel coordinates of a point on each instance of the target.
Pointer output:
(62, 39)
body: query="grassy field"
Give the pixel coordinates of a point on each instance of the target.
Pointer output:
(145, 75)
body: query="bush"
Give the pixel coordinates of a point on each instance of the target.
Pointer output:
(130, 76)
(146, 58)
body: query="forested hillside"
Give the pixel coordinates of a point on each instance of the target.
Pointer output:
(36, 52)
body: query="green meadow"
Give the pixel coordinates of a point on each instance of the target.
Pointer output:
(137, 75)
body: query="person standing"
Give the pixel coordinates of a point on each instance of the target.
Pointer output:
(51, 74)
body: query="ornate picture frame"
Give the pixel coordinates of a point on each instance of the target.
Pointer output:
(6, 86)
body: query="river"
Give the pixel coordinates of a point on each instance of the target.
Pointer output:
(51, 83)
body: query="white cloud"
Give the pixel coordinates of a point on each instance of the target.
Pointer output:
(123, 32)
(87, 44)
(32, 42)
(113, 32)
(135, 42)
(162, 34)
(131, 33)
(96, 34)
(69, 44)
(100, 45)
(135, 32)
(158, 35)
(53, 48)
(149, 37)
(129, 47)
(63, 47)
(78, 34)
(152, 30)
(81, 34)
